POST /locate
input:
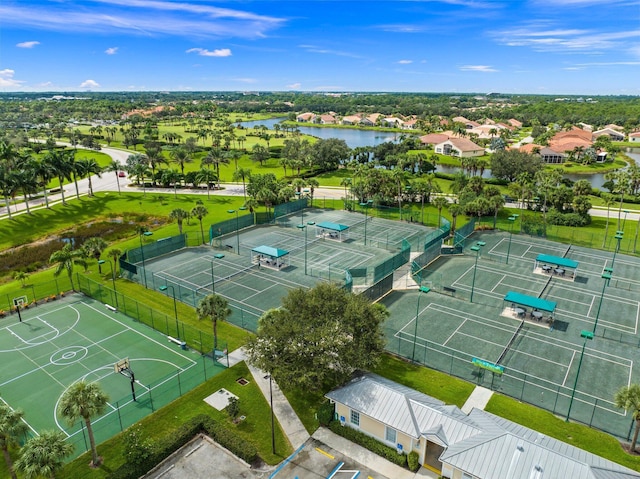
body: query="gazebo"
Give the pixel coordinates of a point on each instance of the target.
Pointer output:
(270, 257)
(556, 265)
(334, 231)
(518, 304)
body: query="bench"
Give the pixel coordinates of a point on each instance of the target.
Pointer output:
(179, 342)
(449, 289)
(110, 308)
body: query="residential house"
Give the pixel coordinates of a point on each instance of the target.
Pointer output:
(411, 124)
(326, 119)
(351, 119)
(455, 445)
(434, 138)
(305, 117)
(469, 124)
(392, 122)
(613, 134)
(371, 120)
(514, 123)
(460, 147)
(634, 137)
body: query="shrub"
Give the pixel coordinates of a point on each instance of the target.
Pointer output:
(137, 451)
(413, 461)
(233, 408)
(325, 413)
(368, 442)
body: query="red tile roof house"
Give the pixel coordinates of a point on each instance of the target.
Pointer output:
(460, 147)
(326, 119)
(634, 137)
(434, 138)
(514, 123)
(305, 117)
(613, 134)
(370, 120)
(351, 120)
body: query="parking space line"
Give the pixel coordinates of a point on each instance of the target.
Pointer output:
(286, 461)
(335, 470)
(325, 453)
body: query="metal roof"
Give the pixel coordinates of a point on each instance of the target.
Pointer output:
(269, 251)
(332, 226)
(557, 260)
(531, 301)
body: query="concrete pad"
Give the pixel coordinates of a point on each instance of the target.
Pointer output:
(478, 399)
(220, 399)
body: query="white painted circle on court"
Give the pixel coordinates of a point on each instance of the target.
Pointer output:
(68, 355)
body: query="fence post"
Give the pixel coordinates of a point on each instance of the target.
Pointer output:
(179, 384)
(119, 417)
(151, 398)
(524, 381)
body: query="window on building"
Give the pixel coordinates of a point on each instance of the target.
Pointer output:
(390, 434)
(355, 418)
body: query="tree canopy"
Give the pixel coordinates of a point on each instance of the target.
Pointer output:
(319, 337)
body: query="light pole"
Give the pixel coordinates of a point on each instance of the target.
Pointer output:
(422, 289)
(213, 280)
(299, 195)
(606, 277)
(618, 237)
(237, 225)
(366, 205)
(475, 248)
(626, 212)
(273, 430)
(587, 335)
(512, 219)
(113, 276)
(175, 306)
(144, 271)
(304, 227)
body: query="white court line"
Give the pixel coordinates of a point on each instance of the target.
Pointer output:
(454, 332)
(22, 419)
(499, 283)
(568, 368)
(591, 306)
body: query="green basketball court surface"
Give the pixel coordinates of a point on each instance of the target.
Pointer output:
(76, 338)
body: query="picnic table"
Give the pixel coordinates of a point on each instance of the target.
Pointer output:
(519, 311)
(559, 271)
(546, 268)
(537, 315)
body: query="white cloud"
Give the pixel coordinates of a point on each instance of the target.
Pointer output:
(111, 51)
(294, 86)
(325, 51)
(405, 62)
(222, 52)
(478, 68)
(7, 80)
(246, 80)
(27, 44)
(89, 84)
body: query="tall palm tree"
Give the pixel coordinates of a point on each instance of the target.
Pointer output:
(115, 254)
(7, 185)
(65, 258)
(242, 174)
(61, 162)
(200, 211)
(115, 167)
(44, 172)
(346, 182)
(312, 183)
(24, 179)
(440, 202)
(94, 247)
(181, 157)
(90, 167)
(208, 177)
(179, 215)
(44, 455)
(12, 432)
(154, 159)
(84, 400)
(215, 308)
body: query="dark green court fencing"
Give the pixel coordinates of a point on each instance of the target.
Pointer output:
(230, 226)
(262, 218)
(378, 290)
(463, 233)
(37, 292)
(393, 263)
(149, 398)
(348, 281)
(157, 248)
(169, 325)
(430, 254)
(586, 409)
(287, 208)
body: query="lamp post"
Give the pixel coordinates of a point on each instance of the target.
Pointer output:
(273, 431)
(606, 277)
(304, 227)
(626, 212)
(618, 237)
(512, 219)
(475, 248)
(299, 195)
(113, 276)
(422, 289)
(366, 205)
(213, 280)
(587, 335)
(237, 225)
(144, 271)
(175, 306)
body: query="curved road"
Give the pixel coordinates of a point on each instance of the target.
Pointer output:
(109, 182)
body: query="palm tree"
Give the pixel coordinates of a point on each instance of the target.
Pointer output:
(628, 398)
(179, 215)
(44, 455)
(215, 308)
(90, 167)
(84, 400)
(94, 247)
(45, 172)
(115, 254)
(154, 159)
(200, 211)
(62, 165)
(440, 202)
(7, 185)
(12, 431)
(208, 177)
(115, 167)
(181, 157)
(312, 183)
(346, 182)
(242, 174)
(20, 276)
(65, 259)
(454, 210)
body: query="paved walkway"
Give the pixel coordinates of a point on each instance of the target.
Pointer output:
(478, 399)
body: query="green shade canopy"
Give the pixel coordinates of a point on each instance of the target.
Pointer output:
(269, 251)
(557, 260)
(332, 226)
(531, 301)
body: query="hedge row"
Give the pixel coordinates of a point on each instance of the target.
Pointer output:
(373, 445)
(178, 438)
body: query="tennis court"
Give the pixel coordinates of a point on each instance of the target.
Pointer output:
(541, 359)
(76, 338)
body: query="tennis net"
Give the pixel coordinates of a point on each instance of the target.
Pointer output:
(510, 343)
(227, 278)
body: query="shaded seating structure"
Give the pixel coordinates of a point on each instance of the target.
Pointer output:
(270, 257)
(556, 266)
(518, 304)
(333, 231)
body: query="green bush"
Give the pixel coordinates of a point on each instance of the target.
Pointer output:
(413, 461)
(325, 413)
(375, 446)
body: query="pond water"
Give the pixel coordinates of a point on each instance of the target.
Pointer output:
(358, 138)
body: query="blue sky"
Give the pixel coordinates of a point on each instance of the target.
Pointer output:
(586, 47)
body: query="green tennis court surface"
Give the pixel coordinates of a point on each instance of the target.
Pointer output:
(76, 338)
(443, 329)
